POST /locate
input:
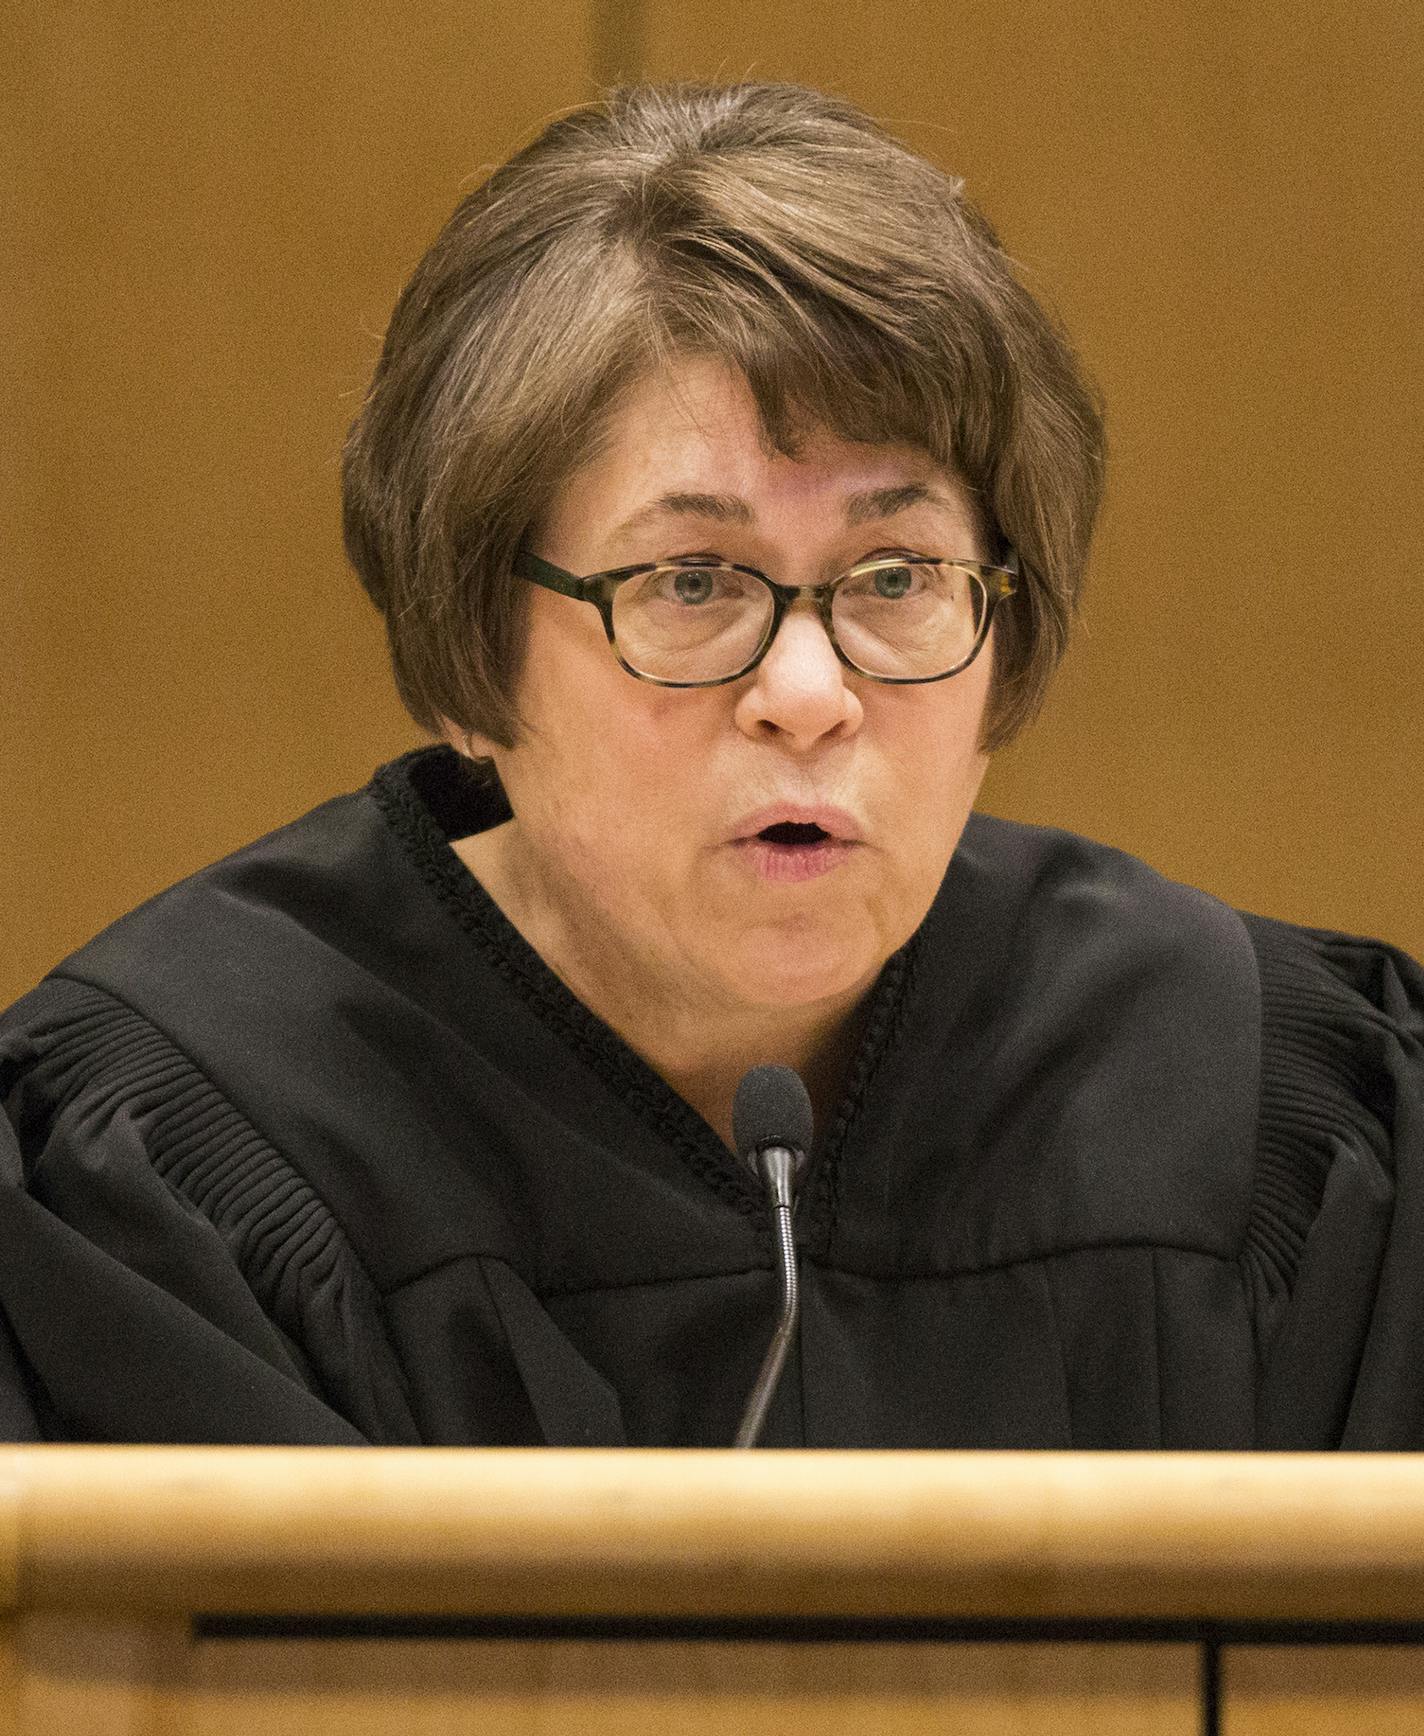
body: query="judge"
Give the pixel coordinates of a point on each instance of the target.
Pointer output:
(727, 500)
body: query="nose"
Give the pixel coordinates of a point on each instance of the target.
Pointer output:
(798, 691)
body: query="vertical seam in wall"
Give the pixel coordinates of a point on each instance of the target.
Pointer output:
(617, 41)
(1211, 1686)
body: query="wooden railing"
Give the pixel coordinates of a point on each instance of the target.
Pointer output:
(158, 1591)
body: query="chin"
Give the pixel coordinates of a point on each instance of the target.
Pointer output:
(785, 973)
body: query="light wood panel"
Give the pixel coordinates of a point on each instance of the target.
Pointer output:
(99, 1675)
(651, 1591)
(597, 1688)
(718, 1535)
(208, 214)
(1362, 1690)
(1222, 202)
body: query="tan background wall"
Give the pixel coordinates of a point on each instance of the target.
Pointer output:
(208, 212)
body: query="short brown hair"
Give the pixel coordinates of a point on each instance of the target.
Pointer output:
(774, 227)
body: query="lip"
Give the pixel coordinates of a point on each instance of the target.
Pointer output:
(791, 864)
(835, 822)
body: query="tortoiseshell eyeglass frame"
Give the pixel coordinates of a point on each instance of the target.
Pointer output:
(995, 582)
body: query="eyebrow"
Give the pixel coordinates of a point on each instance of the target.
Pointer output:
(860, 508)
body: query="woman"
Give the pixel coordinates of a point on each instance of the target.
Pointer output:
(727, 501)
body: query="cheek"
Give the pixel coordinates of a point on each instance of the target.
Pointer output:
(609, 760)
(932, 735)
(967, 706)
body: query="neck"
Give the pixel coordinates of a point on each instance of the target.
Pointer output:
(700, 1044)
(820, 1049)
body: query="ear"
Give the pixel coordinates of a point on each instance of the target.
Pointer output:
(468, 742)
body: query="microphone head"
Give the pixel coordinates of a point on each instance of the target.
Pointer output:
(771, 1107)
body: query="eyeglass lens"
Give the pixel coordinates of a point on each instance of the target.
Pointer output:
(902, 619)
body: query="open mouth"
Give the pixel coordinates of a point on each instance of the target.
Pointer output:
(790, 834)
(791, 851)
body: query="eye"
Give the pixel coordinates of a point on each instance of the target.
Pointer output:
(889, 583)
(893, 582)
(691, 585)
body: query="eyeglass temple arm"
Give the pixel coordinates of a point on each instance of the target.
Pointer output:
(1008, 563)
(529, 566)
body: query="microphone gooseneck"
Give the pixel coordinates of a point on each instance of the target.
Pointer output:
(771, 1127)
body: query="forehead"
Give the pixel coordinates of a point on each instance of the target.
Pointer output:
(693, 428)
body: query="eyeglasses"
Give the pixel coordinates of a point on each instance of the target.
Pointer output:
(701, 623)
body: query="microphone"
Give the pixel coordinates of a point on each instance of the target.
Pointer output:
(771, 1128)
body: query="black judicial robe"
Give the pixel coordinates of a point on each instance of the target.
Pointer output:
(314, 1148)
